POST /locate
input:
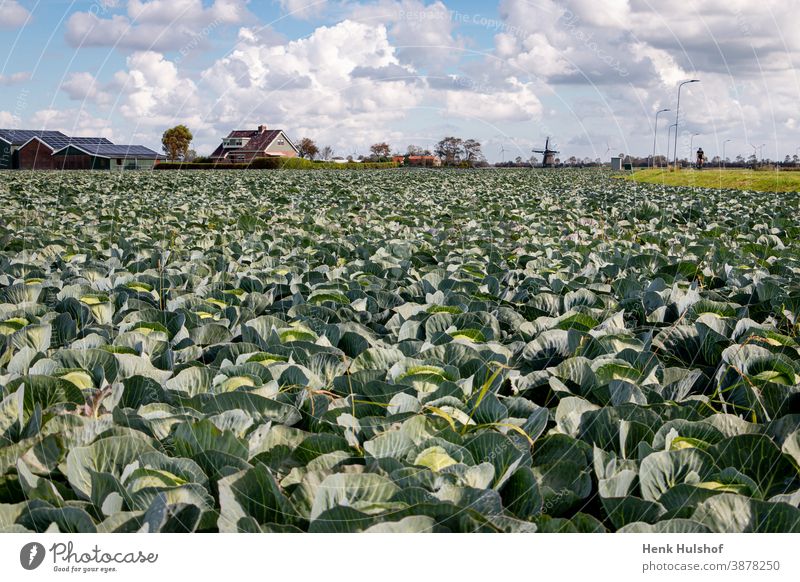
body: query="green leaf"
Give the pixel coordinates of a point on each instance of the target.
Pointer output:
(365, 492)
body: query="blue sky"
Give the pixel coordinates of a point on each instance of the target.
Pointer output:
(347, 73)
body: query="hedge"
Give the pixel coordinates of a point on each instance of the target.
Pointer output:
(276, 164)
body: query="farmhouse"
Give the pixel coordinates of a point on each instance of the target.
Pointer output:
(244, 146)
(426, 161)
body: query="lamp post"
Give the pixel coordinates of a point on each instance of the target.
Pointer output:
(723, 152)
(677, 118)
(655, 133)
(691, 146)
(669, 132)
(755, 156)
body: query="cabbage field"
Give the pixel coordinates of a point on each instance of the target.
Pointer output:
(396, 351)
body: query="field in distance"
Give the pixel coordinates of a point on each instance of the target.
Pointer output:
(733, 179)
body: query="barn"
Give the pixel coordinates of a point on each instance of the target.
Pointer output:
(37, 152)
(245, 145)
(12, 140)
(52, 150)
(107, 156)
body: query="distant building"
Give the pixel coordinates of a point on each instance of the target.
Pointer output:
(616, 164)
(22, 149)
(106, 157)
(244, 146)
(32, 149)
(426, 161)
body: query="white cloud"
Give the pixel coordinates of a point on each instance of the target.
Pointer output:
(423, 34)
(84, 87)
(14, 78)
(304, 9)
(312, 84)
(153, 93)
(8, 119)
(12, 14)
(74, 122)
(516, 102)
(160, 25)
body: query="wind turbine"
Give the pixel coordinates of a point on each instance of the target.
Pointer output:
(503, 152)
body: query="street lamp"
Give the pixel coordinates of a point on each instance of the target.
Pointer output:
(669, 132)
(691, 145)
(755, 157)
(723, 152)
(677, 114)
(655, 133)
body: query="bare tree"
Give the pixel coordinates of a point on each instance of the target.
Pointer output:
(414, 150)
(326, 153)
(472, 151)
(450, 150)
(308, 149)
(380, 150)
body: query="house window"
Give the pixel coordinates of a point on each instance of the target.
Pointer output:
(281, 142)
(119, 162)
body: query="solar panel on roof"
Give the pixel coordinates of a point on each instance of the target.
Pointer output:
(20, 136)
(110, 150)
(91, 140)
(55, 139)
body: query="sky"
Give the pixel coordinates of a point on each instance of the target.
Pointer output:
(348, 73)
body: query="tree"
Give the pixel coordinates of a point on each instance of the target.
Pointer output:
(175, 142)
(414, 150)
(449, 149)
(308, 149)
(380, 150)
(472, 151)
(190, 156)
(326, 153)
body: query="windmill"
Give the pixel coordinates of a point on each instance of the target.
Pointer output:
(548, 155)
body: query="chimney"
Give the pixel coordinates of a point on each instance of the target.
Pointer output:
(262, 128)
